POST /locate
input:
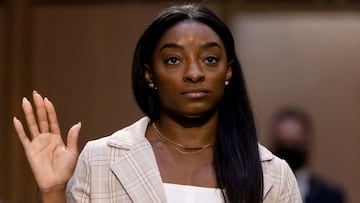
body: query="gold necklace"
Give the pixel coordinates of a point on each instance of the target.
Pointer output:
(179, 147)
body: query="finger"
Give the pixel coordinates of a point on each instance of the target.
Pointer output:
(30, 117)
(21, 133)
(72, 138)
(53, 122)
(41, 112)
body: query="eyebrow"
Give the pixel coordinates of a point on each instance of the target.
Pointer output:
(210, 45)
(204, 46)
(172, 45)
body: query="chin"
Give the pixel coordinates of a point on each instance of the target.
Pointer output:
(200, 114)
(192, 113)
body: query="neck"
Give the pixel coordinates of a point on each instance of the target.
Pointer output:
(190, 132)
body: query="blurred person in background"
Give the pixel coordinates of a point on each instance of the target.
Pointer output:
(291, 139)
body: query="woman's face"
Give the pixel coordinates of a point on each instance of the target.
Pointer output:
(189, 70)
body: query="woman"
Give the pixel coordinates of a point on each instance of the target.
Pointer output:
(198, 134)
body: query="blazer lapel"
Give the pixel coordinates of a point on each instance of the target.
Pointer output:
(138, 173)
(267, 186)
(266, 155)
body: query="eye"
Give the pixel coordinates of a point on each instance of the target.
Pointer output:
(172, 60)
(211, 59)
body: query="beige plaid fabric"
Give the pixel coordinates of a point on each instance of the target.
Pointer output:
(122, 168)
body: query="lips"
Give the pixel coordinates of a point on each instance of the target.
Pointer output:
(197, 93)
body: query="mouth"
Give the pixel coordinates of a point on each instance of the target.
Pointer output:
(195, 93)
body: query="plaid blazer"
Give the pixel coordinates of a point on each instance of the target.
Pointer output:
(122, 168)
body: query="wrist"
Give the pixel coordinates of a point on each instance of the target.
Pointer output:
(53, 194)
(55, 188)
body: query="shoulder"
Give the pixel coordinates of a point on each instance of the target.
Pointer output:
(322, 190)
(124, 138)
(99, 165)
(274, 168)
(265, 154)
(272, 163)
(318, 183)
(280, 184)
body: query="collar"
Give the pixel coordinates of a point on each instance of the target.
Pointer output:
(265, 154)
(129, 136)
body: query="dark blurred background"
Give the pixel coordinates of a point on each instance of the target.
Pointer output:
(78, 53)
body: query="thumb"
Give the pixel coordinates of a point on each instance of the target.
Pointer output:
(72, 138)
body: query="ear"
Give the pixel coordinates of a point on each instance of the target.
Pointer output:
(229, 71)
(148, 74)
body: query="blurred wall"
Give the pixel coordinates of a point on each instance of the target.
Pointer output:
(2, 116)
(2, 55)
(310, 60)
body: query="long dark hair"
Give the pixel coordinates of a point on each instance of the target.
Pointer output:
(236, 154)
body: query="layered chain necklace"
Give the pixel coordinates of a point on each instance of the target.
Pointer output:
(179, 147)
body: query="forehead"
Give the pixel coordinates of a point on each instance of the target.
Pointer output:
(189, 31)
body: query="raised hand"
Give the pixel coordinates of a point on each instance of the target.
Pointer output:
(52, 162)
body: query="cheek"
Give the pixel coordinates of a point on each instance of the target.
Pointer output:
(169, 99)
(218, 87)
(218, 81)
(168, 89)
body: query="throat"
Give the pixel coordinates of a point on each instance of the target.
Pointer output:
(178, 146)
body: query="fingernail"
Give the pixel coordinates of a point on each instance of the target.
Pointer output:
(16, 121)
(35, 92)
(24, 100)
(47, 100)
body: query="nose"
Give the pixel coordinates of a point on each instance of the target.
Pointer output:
(194, 73)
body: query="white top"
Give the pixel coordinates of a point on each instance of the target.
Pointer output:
(176, 193)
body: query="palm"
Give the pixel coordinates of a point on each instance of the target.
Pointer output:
(51, 161)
